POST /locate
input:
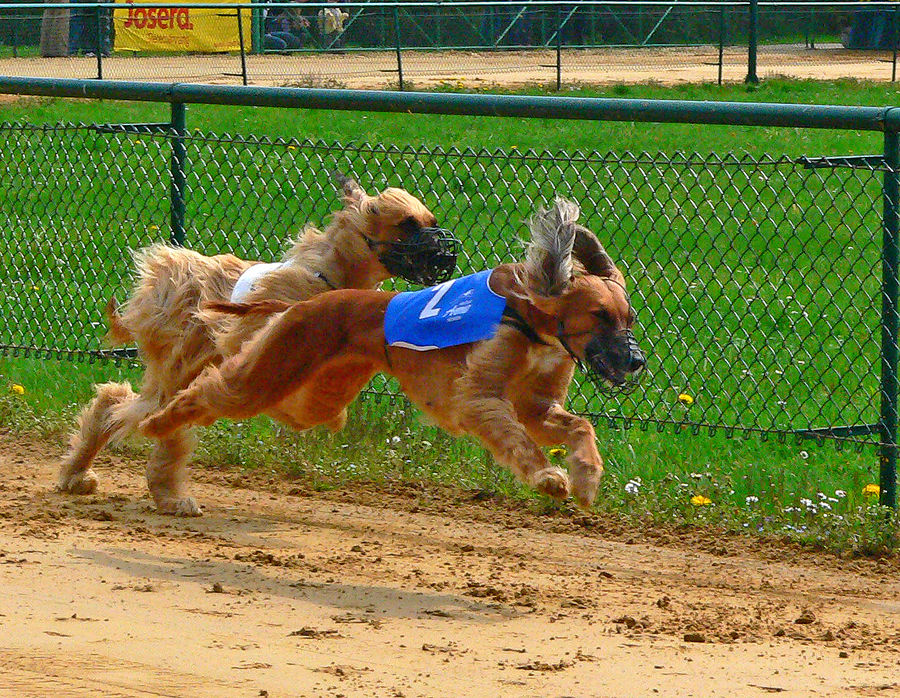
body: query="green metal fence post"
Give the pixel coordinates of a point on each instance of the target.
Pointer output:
(256, 30)
(752, 42)
(890, 327)
(558, 48)
(240, 25)
(895, 39)
(721, 39)
(397, 44)
(101, 40)
(177, 169)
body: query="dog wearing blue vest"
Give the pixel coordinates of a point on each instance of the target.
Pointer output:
(491, 354)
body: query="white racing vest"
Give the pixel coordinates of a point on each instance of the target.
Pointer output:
(248, 280)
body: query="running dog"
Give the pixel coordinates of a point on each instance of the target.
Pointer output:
(370, 240)
(503, 377)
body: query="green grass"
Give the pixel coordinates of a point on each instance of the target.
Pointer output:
(756, 281)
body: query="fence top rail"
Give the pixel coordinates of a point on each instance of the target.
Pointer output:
(519, 106)
(436, 4)
(394, 3)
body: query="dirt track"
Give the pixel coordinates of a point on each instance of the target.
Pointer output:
(419, 592)
(666, 66)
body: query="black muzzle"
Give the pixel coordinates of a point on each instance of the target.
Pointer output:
(427, 256)
(615, 365)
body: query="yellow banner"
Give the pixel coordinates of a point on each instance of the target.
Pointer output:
(202, 30)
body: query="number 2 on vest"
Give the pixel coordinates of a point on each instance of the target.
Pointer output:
(431, 309)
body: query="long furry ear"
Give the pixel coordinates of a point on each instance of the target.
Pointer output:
(590, 253)
(353, 193)
(548, 262)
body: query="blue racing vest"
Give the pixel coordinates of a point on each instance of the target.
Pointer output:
(458, 311)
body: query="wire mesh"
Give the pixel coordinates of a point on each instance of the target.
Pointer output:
(756, 280)
(505, 44)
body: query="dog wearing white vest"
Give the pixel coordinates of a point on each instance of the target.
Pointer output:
(371, 239)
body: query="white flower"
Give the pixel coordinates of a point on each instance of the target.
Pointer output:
(752, 499)
(822, 496)
(840, 494)
(825, 506)
(804, 455)
(806, 502)
(632, 486)
(395, 439)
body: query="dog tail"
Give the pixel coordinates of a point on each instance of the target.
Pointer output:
(118, 333)
(267, 307)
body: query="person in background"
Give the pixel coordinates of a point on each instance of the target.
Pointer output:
(286, 29)
(331, 26)
(89, 41)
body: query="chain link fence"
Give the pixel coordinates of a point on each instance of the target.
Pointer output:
(363, 45)
(754, 280)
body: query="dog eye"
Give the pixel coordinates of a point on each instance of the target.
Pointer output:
(604, 316)
(409, 225)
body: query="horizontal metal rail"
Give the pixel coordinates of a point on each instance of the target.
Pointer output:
(517, 106)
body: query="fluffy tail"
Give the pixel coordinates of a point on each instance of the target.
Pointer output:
(266, 307)
(118, 333)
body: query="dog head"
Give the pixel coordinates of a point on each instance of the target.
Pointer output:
(580, 296)
(402, 233)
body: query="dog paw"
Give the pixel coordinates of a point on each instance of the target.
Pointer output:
(553, 482)
(84, 482)
(186, 506)
(585, 483)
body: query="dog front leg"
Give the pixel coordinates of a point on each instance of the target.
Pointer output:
(494, 422)
(485, 413)
(554, 426)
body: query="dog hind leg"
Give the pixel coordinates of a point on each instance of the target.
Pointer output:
(167, 474)
(97, 423)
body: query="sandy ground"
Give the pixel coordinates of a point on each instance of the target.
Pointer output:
(470, 68)
(280, 591)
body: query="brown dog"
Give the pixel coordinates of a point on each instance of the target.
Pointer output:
(508, 390)
(370, 240)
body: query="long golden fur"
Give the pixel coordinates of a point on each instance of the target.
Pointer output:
(177, 340)
(508, 390)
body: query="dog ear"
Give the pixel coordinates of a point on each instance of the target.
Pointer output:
(353, 193)
(548, 263)
(588, 250)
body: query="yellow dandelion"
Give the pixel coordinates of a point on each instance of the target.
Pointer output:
(17, 389)
(685, 399)
(870, 490)
(559, 451)
(698, 500)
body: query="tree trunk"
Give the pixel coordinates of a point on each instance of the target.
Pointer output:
(55, 32)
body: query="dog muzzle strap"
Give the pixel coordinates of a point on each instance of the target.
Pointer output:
(561, 336)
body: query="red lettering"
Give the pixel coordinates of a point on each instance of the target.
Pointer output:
(163, 17)
(183, 18)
